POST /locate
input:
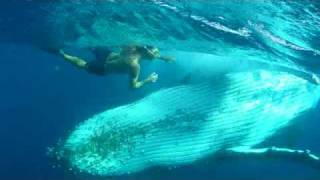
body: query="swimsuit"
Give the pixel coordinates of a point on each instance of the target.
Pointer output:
(98, 66)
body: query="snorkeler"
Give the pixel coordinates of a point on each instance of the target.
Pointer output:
(125, 62)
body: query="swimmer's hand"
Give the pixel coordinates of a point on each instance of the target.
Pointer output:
(153, 77)
(167, 59)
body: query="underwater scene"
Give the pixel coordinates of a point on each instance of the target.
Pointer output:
(160, 89)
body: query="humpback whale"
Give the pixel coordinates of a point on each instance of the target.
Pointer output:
(182, 124)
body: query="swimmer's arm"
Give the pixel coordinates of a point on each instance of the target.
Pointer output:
(135, 73)
(167, 58)
(73, 59)
(164, 58)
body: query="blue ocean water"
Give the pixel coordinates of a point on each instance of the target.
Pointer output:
(44, 99)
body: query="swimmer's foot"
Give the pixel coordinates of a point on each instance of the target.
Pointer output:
(316, 78)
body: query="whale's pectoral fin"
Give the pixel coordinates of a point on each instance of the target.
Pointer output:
(304, 156)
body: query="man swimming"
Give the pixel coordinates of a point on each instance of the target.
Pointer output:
(125, 62)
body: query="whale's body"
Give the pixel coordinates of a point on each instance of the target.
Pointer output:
(182, 124)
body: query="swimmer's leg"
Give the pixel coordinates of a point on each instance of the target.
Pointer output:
(78, 62)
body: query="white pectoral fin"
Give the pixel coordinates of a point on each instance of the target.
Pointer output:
(304, 156)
